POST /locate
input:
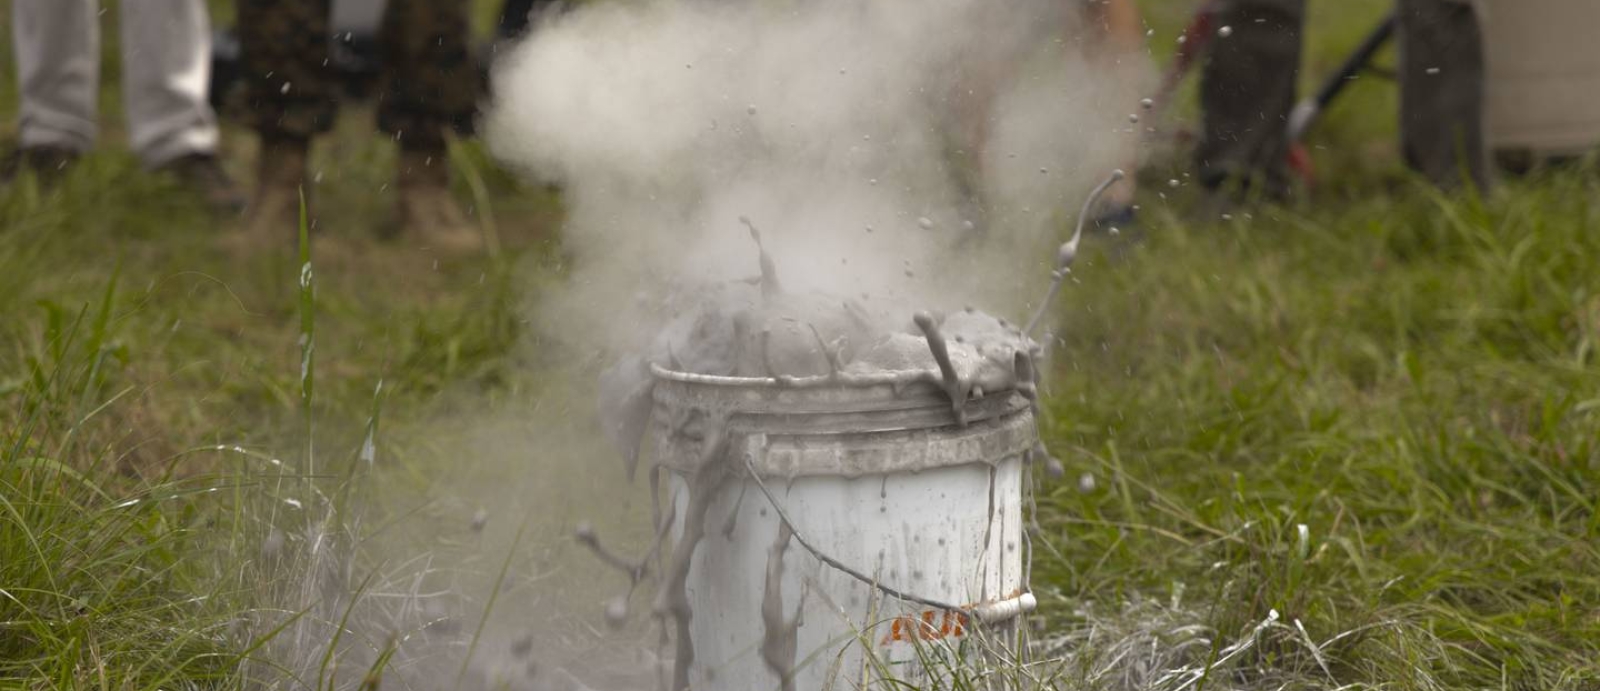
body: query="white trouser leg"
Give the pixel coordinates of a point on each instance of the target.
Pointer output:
(166, 72)
(58, 70)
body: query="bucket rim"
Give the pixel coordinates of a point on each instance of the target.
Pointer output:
(786, 382)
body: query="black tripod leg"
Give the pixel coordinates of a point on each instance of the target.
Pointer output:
(1307, 111)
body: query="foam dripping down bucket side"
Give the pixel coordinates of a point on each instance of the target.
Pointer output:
(878, 476)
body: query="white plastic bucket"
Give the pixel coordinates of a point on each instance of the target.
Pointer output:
(1543, 90)
(879, 477)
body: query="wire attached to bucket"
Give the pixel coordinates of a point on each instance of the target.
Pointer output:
(749, 464)
(1069, 251)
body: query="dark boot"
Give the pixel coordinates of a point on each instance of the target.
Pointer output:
(47, 163)
(272, 219)
(428, 214)
(203, 173)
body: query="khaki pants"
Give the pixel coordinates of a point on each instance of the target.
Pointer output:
(1248, 88)
(166, 69)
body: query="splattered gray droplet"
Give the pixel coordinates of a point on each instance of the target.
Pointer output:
(273, 544)
(617, 612)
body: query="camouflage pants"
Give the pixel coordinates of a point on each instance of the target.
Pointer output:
(1248, 88)
(428, 81)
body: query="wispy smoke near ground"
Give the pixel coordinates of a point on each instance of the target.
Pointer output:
(909, 149)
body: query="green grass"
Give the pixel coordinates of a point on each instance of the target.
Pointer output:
(1414, 381)
(94, 578)
(1410, 377)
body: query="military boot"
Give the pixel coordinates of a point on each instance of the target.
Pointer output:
(428, 214)
(48, 163)
(203, 173)
(272, 218)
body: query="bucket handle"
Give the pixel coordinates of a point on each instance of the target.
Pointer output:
(1005, 610)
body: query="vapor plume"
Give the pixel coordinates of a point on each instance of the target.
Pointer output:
(919, 151)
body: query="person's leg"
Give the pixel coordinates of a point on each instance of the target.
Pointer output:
(429, 86)
(1441, 91)
(1247, 89)
(515, 17)
(1123, 54)
(284, 47)
(58, 73)
(166, 69)
(430, 82)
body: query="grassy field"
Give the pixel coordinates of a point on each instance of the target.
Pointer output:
(1347, 443)
(1378, 422)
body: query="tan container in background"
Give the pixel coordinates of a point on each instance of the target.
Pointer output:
(1544, 75)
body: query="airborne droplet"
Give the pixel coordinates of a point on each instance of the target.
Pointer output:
(617, 612)
(1053, 467)
(273, 544)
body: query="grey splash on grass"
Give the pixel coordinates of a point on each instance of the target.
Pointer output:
(331, 613)
(333, 607)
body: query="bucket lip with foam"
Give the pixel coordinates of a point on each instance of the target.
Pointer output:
(908, 392)
(839, 426)
(840, 380)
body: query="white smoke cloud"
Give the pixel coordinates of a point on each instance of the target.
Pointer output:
(667, 121)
